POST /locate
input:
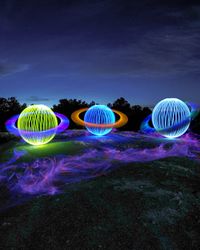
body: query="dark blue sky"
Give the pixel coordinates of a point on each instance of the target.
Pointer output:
(142, 50)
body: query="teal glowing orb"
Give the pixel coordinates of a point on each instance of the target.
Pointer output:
(102, 115)
(171, 117)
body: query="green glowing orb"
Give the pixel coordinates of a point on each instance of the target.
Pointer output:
(37, 124)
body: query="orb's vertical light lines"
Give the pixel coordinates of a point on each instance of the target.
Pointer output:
(37, 124)
(171, 117)
(99, 114)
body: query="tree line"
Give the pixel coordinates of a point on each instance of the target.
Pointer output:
(136, 114)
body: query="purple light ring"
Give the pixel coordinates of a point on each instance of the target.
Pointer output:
(63, 125)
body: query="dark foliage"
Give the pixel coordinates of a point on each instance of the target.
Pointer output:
(195, 124)
(136, 114)
(8, 108)
(68, 106)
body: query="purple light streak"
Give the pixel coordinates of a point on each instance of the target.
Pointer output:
(50, 174)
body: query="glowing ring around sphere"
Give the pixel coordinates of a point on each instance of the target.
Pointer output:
(63, 125)
(99, 114)
(123, 119)
(146, 128)
(171, 118)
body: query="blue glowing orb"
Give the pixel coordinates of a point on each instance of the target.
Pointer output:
(171, 117)
(99, 114)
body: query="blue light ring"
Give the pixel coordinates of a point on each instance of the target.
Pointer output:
(171, 117)
(146, 128)
(194, 109)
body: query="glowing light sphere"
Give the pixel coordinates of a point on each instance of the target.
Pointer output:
(37, 124)
(171, 117)
(99, 114)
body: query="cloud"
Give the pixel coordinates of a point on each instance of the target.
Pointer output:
(37, 99)
(167, 51)
(7, 69)
(164, 43)
(163, 40)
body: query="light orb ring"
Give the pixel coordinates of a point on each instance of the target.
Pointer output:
(123, 119)
(13, 129)
(146, 128)
(171, 117)
(178, 128)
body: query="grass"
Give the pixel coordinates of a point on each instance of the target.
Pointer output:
(49, 150)
(138, 206)
(153, 205)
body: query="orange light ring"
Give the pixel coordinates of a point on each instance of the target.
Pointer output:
(123, 119)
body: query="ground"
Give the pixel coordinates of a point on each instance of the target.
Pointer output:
(123, 191)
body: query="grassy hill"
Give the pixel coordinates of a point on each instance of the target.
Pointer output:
(143, 194)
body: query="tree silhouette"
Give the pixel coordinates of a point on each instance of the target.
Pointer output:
(195, 124)
(136, 114)
(68, 106)
(8, 108)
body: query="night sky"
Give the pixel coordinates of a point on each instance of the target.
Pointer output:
(143, 50)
